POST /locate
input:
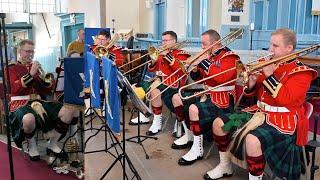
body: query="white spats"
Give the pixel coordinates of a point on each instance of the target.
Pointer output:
(52, 144)
(223, 169)
(156, 125)
(195, 153)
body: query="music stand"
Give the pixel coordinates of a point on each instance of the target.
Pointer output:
(6, 89)
(140, 107)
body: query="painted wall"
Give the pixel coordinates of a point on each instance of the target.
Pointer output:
(214, 19)
(91, 8)
(176, 17)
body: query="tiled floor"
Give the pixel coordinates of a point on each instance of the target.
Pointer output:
(163, 160)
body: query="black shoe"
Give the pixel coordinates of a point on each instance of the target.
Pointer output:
(183, 162)
(183, 146)
(150, 133)
(34, 158)
(207, 177)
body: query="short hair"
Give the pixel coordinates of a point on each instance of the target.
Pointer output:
(25, 41)
(104, 33)
(171, 33)
(288, 35)
(80, 29)
(213, 34)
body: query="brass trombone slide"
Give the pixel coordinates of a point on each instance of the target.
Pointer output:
(249, 69)
(294, 55)
(153, 53)
(209, 89)
(225, 40)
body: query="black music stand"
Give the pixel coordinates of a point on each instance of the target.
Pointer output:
(140, 107)
(122, 156)
(6, 89)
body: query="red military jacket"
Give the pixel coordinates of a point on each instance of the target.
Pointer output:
(224, 59)
(115, 51)
(281, 97)
(164, 67)
(23, 84)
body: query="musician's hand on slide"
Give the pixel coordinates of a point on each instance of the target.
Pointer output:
(164, 52)
(34, 68)
(268, 70)
(253, 79)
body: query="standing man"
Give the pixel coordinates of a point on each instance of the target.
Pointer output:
(77, 46)
(28, 112)
(281, 90)
(203, 110)
(168, 62)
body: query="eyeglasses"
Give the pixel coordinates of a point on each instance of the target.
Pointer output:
(100, 39)
(167, 40)
(28, 51)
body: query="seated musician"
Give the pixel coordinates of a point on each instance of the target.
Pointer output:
(165, 64)
(103, 39)
(28, 113)
(201, 111)
(281, 91)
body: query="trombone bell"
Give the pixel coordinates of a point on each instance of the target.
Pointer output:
(153, 53)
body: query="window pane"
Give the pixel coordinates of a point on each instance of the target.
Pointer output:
(45, 8)
(33, 8)
(39, 8)
(20, 7)
(12, 7)
(5, 7)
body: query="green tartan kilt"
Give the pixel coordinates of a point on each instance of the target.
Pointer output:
(208, 112)
(279, 150)
(52, 109)
(166, 96)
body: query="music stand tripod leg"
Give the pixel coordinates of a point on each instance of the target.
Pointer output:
(139, 137)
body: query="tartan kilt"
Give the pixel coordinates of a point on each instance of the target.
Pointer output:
(280, 151)
(167, 96)
(208, 112)
(52, 109)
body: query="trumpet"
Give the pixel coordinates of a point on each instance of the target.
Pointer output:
(232, 36)
(154, 53)
(243, 71)
(46, 77)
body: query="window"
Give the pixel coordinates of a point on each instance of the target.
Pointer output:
(197, 17)
(31, 6)
(11, 5)
(42, 6)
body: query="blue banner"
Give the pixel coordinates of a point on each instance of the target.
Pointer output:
(112, 99)
(73, 81)
(90, 34)
(94, 79)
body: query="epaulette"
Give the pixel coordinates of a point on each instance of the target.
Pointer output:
(229, 53)
(182, 52)
(299, 63)
(12, 63)
(304, 68)
(116, 48)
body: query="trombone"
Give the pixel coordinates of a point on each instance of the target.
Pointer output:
(245, 70)
(153, 53)
(101, 51)
(232, 36)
